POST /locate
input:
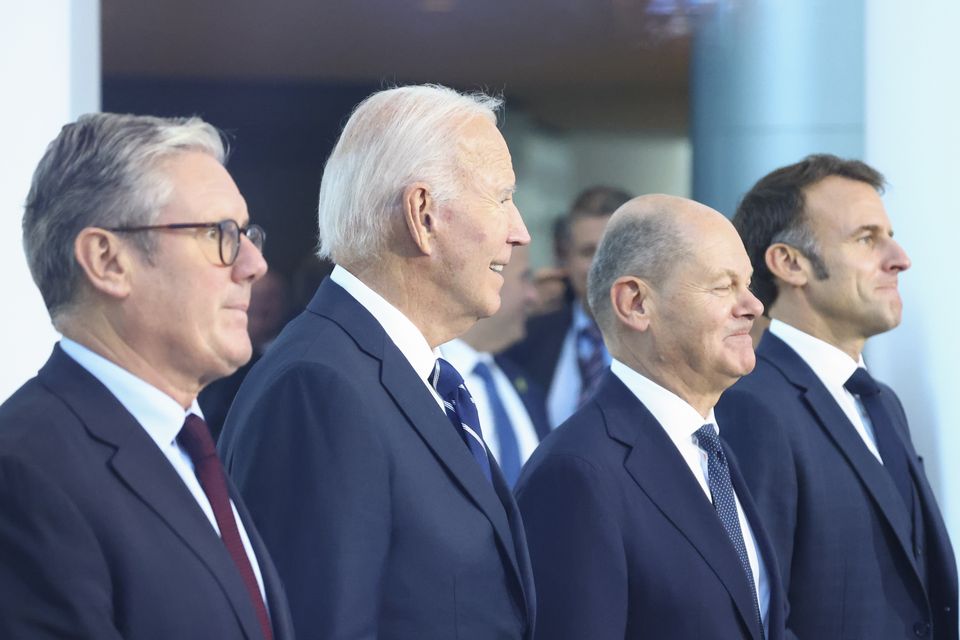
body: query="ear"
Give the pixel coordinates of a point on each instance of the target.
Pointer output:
(630, 298)
(420, 216)
(104, 260)
(787, 264)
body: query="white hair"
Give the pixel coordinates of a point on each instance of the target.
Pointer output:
(393, 138)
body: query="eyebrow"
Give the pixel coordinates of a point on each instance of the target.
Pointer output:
(872, 228)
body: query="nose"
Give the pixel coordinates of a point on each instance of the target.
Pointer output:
(250, 265)
(750, 306)
(518, 230)
(898, 259)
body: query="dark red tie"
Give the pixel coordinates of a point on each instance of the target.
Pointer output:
(196, 441)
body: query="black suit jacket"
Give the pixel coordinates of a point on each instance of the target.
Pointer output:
(624, 543)
(837, 521)
(381, 522)
(539, 351)
(99, 536)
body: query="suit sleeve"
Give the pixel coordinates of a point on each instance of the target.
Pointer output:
(576, 550)
(315, 477)
(54, 581)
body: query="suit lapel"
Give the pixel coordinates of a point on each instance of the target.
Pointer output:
(835, 423)
(660, 471)
(142, 467)
(422, 412)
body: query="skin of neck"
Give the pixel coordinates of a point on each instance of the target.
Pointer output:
(793, 308)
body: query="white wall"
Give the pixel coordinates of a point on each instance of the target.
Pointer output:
(49, 74)
(912, 135)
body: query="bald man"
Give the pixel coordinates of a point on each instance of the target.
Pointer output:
(638, 522)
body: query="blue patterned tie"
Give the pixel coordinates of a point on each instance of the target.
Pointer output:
(590, 361)
(725, 503)
(461, 410)
(509, 457)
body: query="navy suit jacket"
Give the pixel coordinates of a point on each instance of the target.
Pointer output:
(539, 351)
(99, 537)
(837, 521)
(380, 521)
(531, 394)
(624, 543)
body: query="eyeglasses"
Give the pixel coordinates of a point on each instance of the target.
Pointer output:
(227, 234)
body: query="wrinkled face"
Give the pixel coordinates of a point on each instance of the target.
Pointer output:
(859, 298)
(190, 311)
(585, 234)
(704, 311)
(477, 230)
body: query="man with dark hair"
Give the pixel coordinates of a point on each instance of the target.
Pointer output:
(824, 447)
(116, 517)
(563, 350)
(639, 524)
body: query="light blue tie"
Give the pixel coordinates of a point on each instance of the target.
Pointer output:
(725, 503)
(509, 457)
(461, 411)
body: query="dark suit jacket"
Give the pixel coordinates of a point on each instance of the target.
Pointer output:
(539, 351)
(624, 543)
(844, 546)
(99, 536)
(381, 522)
(531, 394)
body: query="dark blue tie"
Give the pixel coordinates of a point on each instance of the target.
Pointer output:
(891, 449)
(725, 503)
(509, 457)
(461, 410)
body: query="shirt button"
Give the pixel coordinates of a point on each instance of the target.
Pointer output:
(921, 629)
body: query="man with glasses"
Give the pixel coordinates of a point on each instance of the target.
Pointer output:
(117, 518)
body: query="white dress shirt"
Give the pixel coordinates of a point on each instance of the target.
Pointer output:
(464, 358)
(834, 368)
(161, 417)
(565, 385)
(403, 333)
(681, 421)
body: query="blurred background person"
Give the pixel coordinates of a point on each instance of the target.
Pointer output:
(509, 403)
(563, 350)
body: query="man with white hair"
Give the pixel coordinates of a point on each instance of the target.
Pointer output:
(116, 517)
(357, 448)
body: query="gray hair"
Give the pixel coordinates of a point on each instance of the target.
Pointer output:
(646, 246)
(393, 138)
(100, 172)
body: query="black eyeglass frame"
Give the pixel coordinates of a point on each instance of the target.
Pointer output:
(254, 232)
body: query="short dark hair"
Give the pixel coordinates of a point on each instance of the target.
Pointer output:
(592, 202)
(774, 211)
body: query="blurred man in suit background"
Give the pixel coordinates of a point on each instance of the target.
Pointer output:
(358, 449)
(118, 520)
(825, 448)
(564, 351)
(639, 524)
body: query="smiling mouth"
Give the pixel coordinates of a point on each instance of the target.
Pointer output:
(498, 268)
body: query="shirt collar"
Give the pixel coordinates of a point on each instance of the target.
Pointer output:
(832, 366)
(404, 334)
(677, 417)
(160, 415)
(463, 357)
(580, 318)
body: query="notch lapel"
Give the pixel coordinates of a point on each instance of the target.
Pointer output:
(661, 473)
(834, 422)
(142, 467)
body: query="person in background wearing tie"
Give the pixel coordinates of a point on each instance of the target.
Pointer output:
(638, 521)
(116, 517)
(825, 448)
(358, 449)
(563, 351)
(507, 399)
